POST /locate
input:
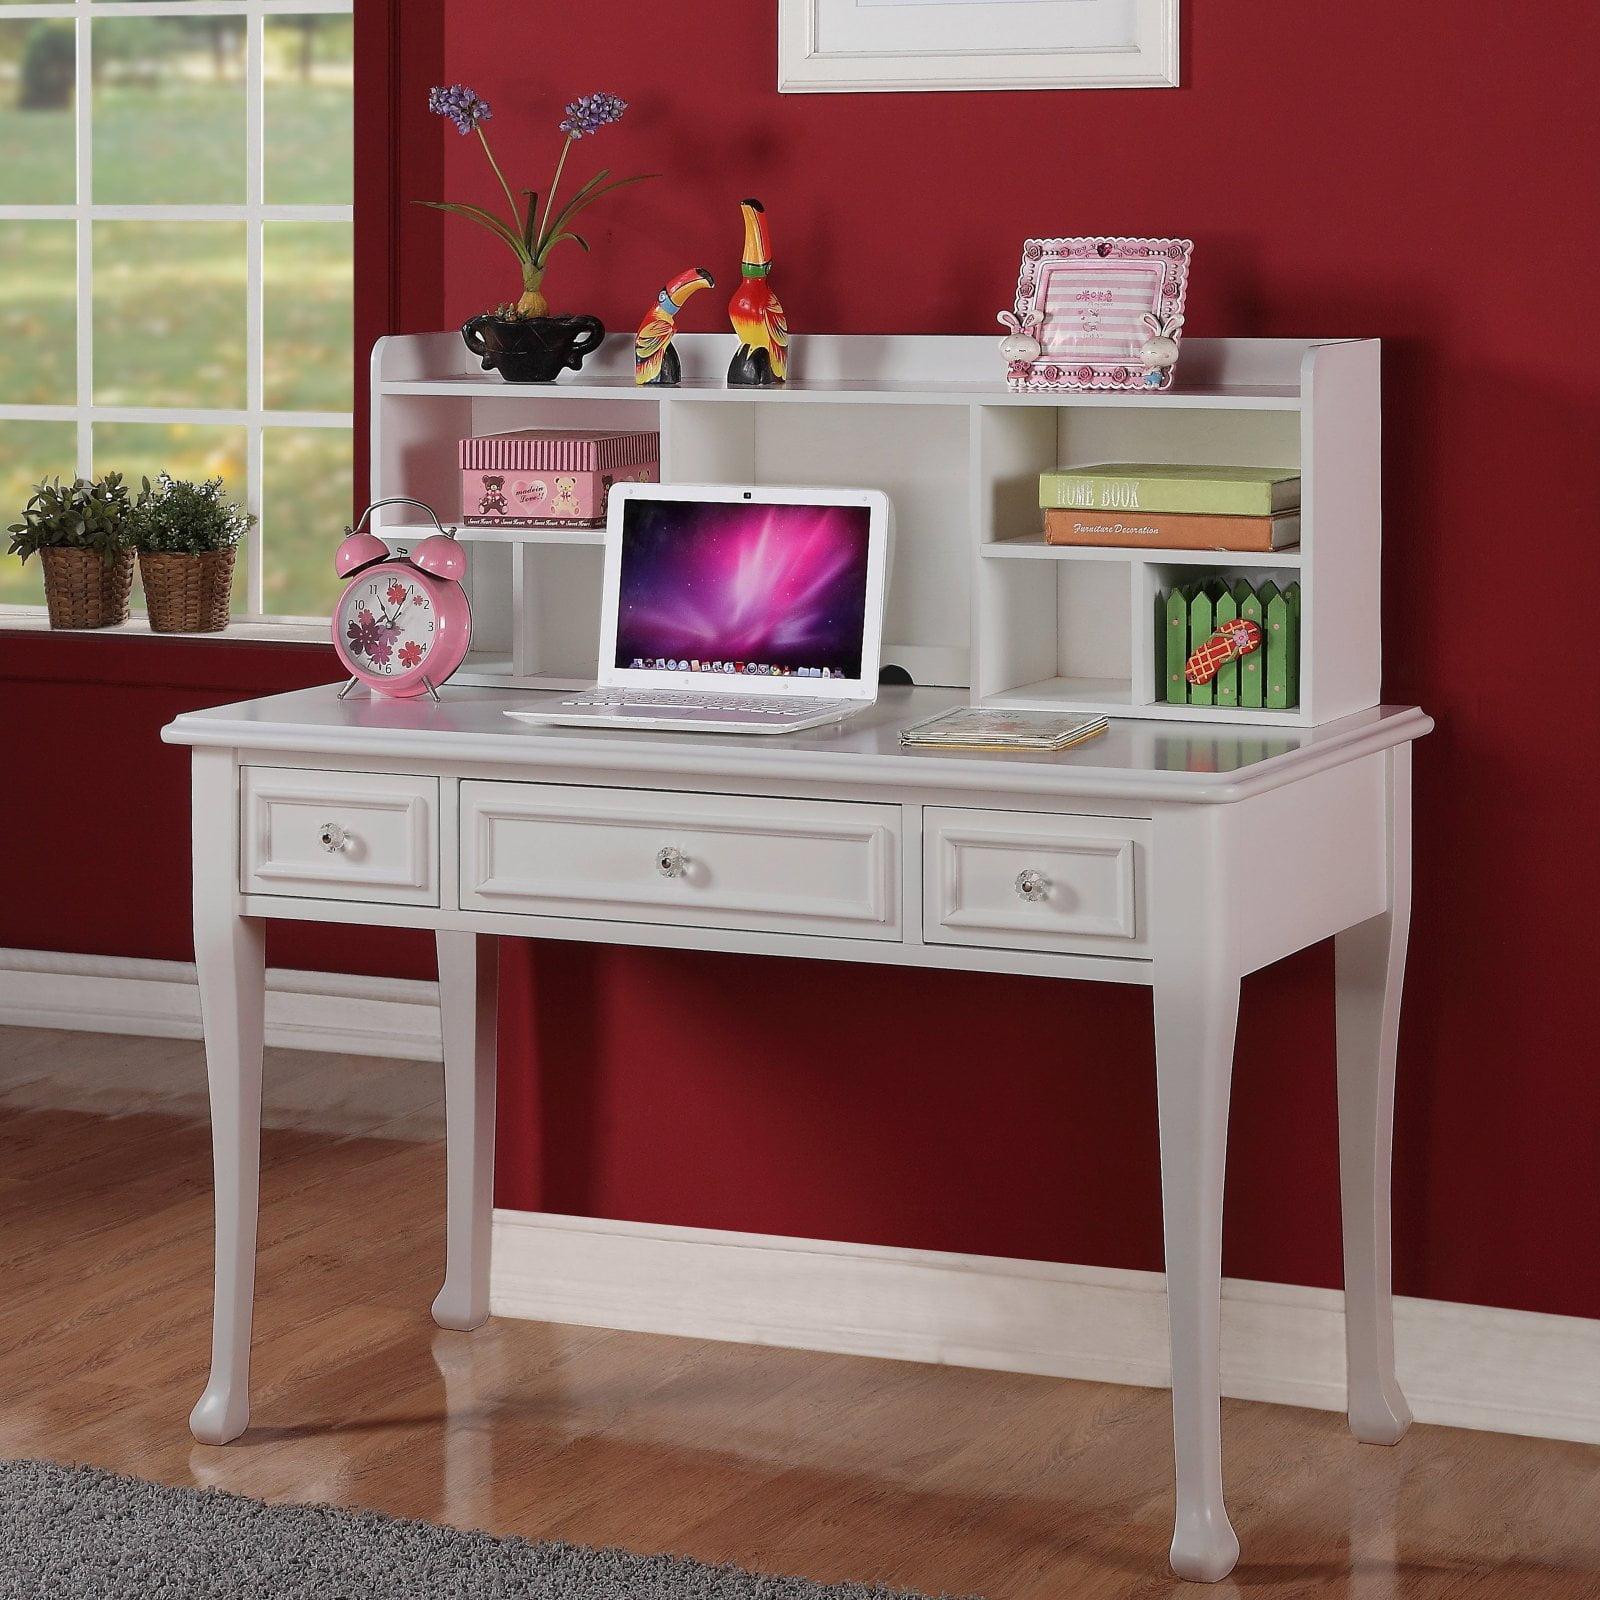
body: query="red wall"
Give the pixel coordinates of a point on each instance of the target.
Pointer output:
(1345, 172)
(94, 809)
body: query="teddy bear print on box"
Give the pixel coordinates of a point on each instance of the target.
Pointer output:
(544, 479)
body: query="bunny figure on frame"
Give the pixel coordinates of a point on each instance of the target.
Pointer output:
(1020, 344)
(1160, 350)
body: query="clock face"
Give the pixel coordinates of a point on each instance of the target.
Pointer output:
(387, 625)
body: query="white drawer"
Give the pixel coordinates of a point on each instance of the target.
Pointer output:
(706, 860)
(340, 835)
(1034, 881)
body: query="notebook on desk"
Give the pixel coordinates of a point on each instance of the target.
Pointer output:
(734, 609)
(977, 728)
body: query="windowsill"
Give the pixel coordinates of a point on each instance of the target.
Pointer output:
(299, 633)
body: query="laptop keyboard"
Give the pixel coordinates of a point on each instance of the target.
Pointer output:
(764, 705)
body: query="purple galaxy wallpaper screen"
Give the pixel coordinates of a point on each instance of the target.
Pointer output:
(764, 589)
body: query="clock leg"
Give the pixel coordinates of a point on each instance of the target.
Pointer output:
(348, 687)
(433, 694)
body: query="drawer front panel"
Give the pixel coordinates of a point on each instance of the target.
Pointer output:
(1034, 881)
(340, 835)
(707, 860)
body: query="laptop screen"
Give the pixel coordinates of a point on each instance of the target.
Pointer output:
(742, 590)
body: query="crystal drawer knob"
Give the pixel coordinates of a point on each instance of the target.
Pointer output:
(333, 837)
(1032, 886)
(671, 861)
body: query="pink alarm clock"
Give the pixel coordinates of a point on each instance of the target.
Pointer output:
(402, 624)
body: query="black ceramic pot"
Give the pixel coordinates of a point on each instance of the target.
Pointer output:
(532, 349)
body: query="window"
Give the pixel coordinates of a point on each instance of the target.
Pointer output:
(175, 265)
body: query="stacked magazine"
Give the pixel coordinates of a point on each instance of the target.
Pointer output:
(971, 728)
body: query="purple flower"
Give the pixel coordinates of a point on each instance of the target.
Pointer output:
(379, 639)
(362, 634)
(590, 113)
(462, 105)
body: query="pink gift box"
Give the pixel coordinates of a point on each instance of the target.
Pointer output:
(538, 478)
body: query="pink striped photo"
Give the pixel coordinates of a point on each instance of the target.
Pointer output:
(1104, 313)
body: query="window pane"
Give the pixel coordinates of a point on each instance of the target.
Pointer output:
(37, 140)
(38, 313)
(185, 449)
(309, 365)
(29, 451)
(307, 485)
(169, 111)
(308, 66)
(169, 314)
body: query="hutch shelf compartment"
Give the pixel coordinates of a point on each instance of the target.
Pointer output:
(977, 600)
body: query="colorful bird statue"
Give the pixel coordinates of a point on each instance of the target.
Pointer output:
(654, 359)
(762, 358)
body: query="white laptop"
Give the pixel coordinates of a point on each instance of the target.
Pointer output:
(733, 609)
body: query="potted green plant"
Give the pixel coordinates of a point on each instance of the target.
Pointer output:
(80, 532)
(187, 535)
(522, 339)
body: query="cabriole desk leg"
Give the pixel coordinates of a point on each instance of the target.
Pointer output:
(1196, 997)
(1369, 967)
(467, 998)
(230, 957)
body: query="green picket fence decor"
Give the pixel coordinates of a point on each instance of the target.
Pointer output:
(1266, 679)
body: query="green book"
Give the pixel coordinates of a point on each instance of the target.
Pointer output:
(1198, 491)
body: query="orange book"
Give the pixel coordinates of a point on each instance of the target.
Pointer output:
(1166, 530)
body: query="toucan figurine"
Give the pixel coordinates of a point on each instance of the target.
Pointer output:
(654, 359)
(762, 358)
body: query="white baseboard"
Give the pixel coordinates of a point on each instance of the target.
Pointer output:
(1464, 1366)
(305, 1010)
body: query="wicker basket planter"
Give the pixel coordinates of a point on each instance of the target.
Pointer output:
(84, 590)
(188, 593)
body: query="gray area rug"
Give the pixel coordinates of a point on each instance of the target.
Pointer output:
(71, 1533)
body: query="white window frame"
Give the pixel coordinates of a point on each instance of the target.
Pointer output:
(254, 213)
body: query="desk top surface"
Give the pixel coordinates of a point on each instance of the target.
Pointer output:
(1135, 759)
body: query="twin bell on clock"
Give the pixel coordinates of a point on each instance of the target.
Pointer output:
(402, 624)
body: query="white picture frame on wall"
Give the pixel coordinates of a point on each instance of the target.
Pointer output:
(892, 46)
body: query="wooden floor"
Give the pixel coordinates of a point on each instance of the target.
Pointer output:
(937, 1479)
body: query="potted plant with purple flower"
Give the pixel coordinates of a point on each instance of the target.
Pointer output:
(521, 338)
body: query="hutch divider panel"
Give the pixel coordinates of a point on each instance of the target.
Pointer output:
(977, 600)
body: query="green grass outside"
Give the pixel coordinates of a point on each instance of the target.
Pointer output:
(182, 146)
(308, 308)
(308, 482)
(169, 114)
(38, 313)
(170, 314)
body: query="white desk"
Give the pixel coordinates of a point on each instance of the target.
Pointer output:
(1176, 857)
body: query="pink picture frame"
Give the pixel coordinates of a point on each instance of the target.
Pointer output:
(1105, 313)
